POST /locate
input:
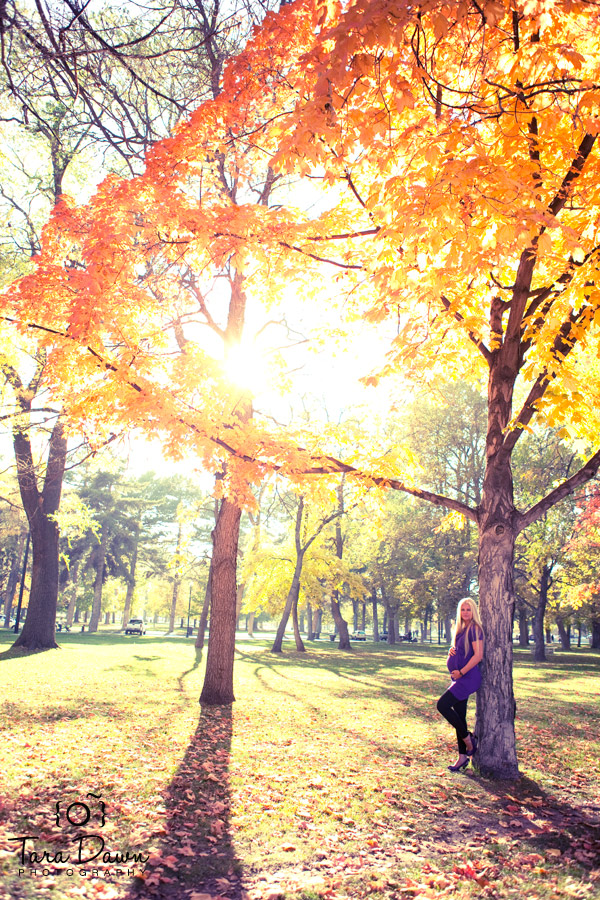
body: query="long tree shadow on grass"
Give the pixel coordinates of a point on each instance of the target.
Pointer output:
(196, 852)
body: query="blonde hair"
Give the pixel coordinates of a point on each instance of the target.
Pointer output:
(459, 626)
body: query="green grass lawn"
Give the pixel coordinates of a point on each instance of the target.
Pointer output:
(327, 778)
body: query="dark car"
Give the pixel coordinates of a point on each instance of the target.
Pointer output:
(383, 636)
(135, 626)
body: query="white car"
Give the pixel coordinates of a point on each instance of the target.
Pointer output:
(135, 626)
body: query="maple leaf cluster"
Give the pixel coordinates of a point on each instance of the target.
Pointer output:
(449, 147)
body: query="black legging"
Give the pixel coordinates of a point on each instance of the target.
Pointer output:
(455, 712)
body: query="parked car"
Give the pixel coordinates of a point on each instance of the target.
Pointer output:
(135, 626)
(359, 636)
(383, 636)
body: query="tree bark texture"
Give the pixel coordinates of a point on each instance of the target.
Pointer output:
(218, 680)
(497, 755)
(39, 628)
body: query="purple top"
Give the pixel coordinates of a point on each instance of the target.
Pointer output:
(471, 680)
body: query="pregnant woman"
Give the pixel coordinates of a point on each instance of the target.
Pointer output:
(463, 661)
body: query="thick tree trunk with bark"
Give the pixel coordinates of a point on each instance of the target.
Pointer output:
(39, 629)
(43, 594)
(596, 634)
(497, 534)
(495, 699)
(218, 681)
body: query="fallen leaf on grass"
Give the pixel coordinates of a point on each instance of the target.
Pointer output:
(196, 896)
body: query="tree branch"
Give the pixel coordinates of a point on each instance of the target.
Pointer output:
(322, 465)
(563, 344)
(472, 336)
(575, 170)
(585, 474)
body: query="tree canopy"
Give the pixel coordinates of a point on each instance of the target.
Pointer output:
(448, 183)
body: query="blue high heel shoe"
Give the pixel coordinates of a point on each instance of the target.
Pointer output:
(462, 765)
(475, 744)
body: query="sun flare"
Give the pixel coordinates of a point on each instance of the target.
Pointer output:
(247, 367)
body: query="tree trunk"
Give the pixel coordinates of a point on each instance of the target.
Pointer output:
(291, 603)
(250, 624)
(131, 577)
(205, 610)
(448, 628)
(538, 619)
(495, 699)
(13, 577)
(340, 623)
(564, 633)
(523, 628)
(392, 632)
(98, 581)
(595, 634)
(40, 625)
(218, 680)
(174, 602)
(176, 582)
(297, 637)
(74, 580)
(310, 632)
(375, 621)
